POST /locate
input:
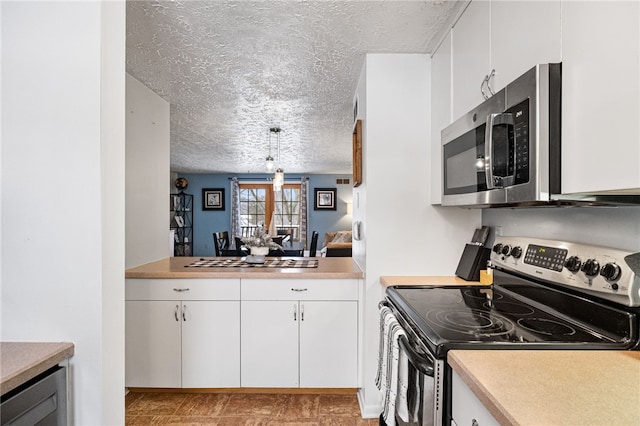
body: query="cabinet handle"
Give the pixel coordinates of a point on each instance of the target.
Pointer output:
(180, 290)
(487, 81)
(175, 313)
(184, 310)
(301, 312)
(489, 77)
(299, 289)
(295, 312)
(484, 81)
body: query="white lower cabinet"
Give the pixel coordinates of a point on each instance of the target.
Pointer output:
(181, 342)
(466, 409)
(210, 344)
(269, 344)
(300, 342)
(152, 344)
(197, 333)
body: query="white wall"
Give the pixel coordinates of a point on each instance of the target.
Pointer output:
(147, 194)
(403, 233)
(63, 191)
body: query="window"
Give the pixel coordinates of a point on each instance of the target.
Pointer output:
(258, 203)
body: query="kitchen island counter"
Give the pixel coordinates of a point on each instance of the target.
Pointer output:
(22, 361)
(176, 267)
(553, 387)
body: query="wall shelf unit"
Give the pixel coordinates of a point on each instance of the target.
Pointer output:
(182, 223)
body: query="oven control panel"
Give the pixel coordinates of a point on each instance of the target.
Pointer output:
(598, 270)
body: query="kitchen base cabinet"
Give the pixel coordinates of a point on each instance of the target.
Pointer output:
(299, 333)
(188, 344)
(152, 344)
(210, 344)
(269, 344)
(328, 344)
(310, 344)
(466, 408)
(174, 342)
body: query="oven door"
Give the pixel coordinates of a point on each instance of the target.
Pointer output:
(422, 388)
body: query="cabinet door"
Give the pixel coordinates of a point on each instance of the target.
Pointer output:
(440, 112)
(152, 340)
(600, 96)
(329, 344)
(210, 344)
(269, 336)
(523, 33)
(470, 60)
(466, 408)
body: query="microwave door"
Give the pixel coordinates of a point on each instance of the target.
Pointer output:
(499, 151)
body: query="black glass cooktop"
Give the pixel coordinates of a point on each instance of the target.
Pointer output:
(462, 317)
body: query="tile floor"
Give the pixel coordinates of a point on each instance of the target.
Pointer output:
(220, 409)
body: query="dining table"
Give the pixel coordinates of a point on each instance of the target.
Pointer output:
(290, 248)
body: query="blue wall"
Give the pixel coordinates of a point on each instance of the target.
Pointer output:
(205, 223)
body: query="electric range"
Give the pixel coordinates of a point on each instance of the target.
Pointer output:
(546, 295)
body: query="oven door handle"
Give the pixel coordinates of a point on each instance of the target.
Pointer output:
(422, 363)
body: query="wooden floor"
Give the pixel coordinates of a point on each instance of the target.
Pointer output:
(226, 409)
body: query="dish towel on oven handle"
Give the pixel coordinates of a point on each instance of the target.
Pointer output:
(392, 377)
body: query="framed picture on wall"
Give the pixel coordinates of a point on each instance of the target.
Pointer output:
(325, 199)
(213, 199)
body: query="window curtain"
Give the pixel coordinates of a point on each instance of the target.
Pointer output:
(304, 209)
(235, 208)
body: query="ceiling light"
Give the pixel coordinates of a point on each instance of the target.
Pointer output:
(270, 163)
(278, 180)
(278, 177)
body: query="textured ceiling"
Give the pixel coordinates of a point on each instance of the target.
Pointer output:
(233, 69)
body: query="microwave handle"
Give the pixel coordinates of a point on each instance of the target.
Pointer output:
(493, 120)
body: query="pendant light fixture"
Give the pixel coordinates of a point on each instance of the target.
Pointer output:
(278, 177)
(270, 163)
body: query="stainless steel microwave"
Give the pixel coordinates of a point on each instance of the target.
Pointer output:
(507, 150)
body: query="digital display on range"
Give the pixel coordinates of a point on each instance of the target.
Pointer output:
(545, 257)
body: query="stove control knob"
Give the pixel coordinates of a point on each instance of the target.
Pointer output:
(516, 252)
(573, 264)
(497, 248)
(611, 271)
(591, 268)
(506, 249)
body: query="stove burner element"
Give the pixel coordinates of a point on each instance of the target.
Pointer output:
(546, 326)
(509, 308)
(474, 322)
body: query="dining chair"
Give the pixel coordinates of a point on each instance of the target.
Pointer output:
(314, 244)
(216, 244)
(221, 242)
(239, 251)
(223, 238)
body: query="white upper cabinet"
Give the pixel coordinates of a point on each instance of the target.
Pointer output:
(440, 111)
(509, 37)
(600, 97)
(523, 33)
(470, 62)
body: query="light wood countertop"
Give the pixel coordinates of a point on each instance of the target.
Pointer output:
(22, 361)
(554, 387)
(174, 267)
(425, 280)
